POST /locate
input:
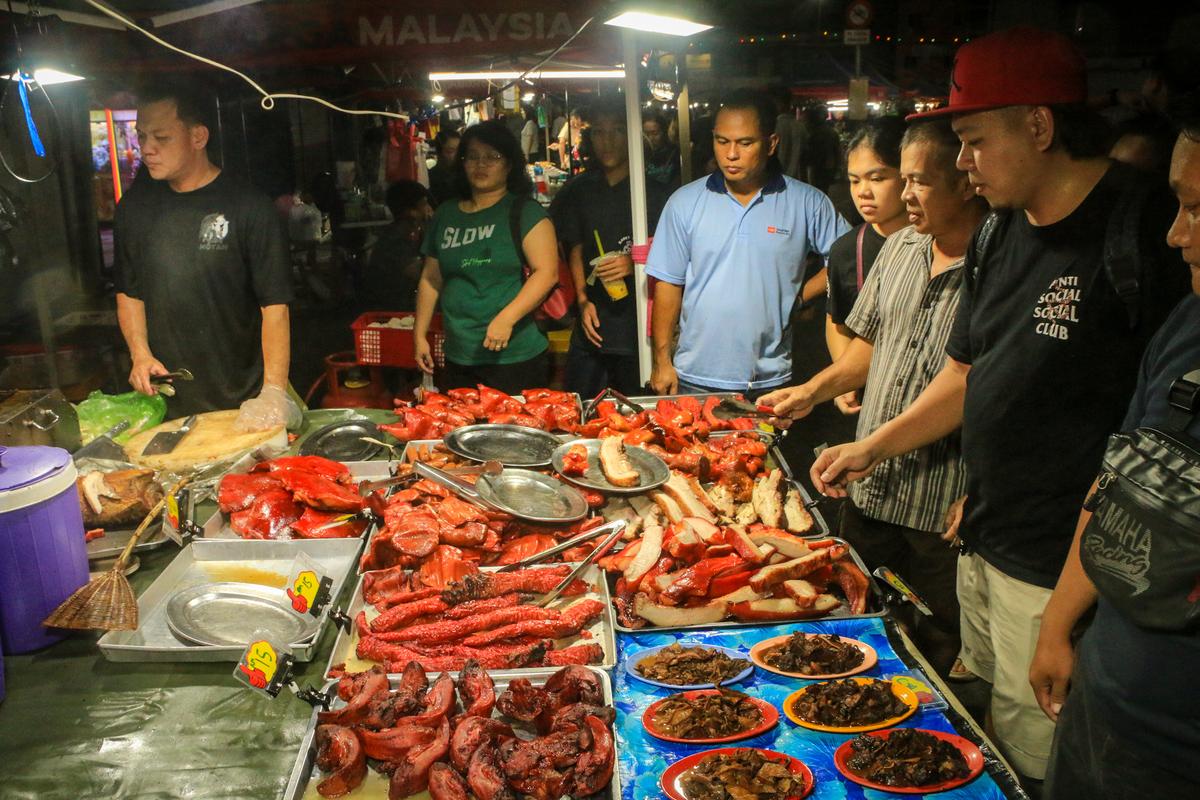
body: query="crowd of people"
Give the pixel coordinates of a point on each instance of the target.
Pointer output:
(1013, 296)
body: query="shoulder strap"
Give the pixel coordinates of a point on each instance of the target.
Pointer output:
(862, 232)
(1122, 262)
(1183, 401)
(514, 227)
(983, 242)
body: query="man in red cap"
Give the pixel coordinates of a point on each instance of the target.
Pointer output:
(1064, 284)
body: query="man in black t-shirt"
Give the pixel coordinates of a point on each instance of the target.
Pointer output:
(1130, 723)
(1042, 358)
(202, 273)
(603, 350)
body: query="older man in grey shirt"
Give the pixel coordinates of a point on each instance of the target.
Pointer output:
(902, 319)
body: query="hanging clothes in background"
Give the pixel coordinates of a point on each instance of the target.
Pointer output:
(402, 152)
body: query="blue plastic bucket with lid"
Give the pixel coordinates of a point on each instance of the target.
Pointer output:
(43, 556)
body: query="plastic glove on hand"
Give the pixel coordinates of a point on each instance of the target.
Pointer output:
(272, 407)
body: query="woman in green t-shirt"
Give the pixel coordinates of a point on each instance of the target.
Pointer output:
(474, 272)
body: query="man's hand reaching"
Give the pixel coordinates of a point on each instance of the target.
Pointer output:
(839, 465)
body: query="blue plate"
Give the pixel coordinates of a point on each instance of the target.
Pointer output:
(632, 660)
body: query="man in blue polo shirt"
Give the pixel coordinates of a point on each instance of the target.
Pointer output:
(729, 257)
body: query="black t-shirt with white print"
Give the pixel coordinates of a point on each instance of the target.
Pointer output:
(1053, 365)
(203, 262)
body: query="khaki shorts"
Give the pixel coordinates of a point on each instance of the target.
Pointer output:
(1001, 617)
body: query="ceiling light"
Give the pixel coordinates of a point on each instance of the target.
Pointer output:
(657, 23)
(528, 97)
(497, 75)
(50, 77)
(438, 98)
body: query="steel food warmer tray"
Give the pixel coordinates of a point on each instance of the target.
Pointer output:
(219, 560)
(601, 631)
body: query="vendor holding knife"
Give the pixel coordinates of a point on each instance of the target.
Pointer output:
(202, 273)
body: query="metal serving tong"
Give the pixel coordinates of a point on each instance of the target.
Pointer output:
(586, 536)
(486, 468)
(729, 408)
(163, 382)
(373, 512)
(617, 527)
(589, 408)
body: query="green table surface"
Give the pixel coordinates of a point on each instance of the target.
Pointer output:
(75, 725)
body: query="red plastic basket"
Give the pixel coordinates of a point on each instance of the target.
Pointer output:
(393, 347)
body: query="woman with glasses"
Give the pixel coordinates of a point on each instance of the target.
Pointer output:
(475, 252)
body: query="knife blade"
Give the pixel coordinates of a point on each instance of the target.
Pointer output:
(167, 441)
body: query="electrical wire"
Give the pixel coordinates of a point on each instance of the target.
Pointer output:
(268, 98)
(20, 77)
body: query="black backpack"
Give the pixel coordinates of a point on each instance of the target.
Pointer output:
(1141, 547)
(1122, 259)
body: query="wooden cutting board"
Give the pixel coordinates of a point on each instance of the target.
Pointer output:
(211, 439)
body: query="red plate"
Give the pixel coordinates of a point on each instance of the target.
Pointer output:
(970, 753)
(671, 777)
(770, 717)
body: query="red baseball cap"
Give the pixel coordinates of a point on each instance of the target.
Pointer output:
(1019, 66)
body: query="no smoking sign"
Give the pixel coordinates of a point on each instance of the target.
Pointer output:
(859, 14)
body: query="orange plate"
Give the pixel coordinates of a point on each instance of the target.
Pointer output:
(759, 651)
(906, 695)
(770, 717)
(670, 778)
(968, 749)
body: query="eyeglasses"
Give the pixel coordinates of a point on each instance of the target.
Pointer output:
(478, 158)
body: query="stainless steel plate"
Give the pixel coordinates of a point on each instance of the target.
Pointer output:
(651, 469)
(226, 613)
(532, 496)
(113, 542)
(511, 445)
(342, 441)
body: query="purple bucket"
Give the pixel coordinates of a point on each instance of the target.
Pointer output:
(43, 556)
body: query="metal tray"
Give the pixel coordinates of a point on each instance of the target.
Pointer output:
(112, 543)
(840, 613)
(342, 441)
(602, 629)
(226, 613)
(305, 773)
(511, 445)
(204, 561)
(652, 470)
(217, 526)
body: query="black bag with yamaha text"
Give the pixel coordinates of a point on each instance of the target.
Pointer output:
(1142, 546)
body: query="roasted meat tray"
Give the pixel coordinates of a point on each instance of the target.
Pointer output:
(223, 560)
(866, 589)
(305, 776)
(218, 526)
(598, 629)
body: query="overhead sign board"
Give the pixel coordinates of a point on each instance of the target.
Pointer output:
(856, 36)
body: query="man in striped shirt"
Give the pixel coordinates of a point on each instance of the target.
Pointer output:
(902, 319)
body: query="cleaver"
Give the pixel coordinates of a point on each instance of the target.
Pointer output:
(167, 441)
(103, 445)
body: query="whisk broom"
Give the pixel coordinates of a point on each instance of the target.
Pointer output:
(107, 603)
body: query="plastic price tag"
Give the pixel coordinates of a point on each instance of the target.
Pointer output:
(265, 665)
(178, 513)
(308, 588)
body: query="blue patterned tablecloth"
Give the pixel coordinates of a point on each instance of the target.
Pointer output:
(644, 758)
